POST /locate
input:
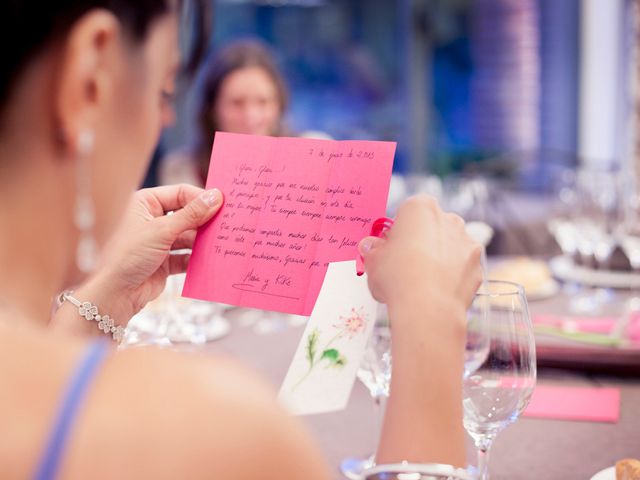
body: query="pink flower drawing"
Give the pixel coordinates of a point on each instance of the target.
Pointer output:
(353, 323)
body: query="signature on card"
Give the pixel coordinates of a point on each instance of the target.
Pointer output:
(256, 283)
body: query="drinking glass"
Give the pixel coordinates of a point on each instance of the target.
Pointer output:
(415, 471)
(375, 374)
(478, 328)
(467, 197)
(375, 369)
(497, 393)
(562, 223)
(629, 231)
(598, 213)
(597, 217)
(196, 322)
(478, 338)
(171, 319)
(629, 240)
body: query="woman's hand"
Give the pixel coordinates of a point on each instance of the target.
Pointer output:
(427, 271)
(426, 252)
(136, 262)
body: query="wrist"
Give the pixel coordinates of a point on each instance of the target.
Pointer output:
(426, 312)
(416, 281)
(91, 313)
(110, 299)
(100, 293)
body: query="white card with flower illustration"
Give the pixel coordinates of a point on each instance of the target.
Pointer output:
(324, 367)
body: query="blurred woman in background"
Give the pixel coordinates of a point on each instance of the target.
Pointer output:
(240, 90)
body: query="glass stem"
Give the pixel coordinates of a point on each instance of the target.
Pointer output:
(380, 404)
(483, 464)
(483, 445)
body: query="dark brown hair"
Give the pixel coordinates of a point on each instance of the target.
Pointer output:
(236, 56)
(28, 28)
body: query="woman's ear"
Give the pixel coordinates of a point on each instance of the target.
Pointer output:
(84, 82)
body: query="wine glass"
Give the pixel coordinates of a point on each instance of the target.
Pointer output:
(629, 240)
(478, 338)
(415, 471)
(171, 319)
(565, 198)
(196, 322)
(375, 374)
(497, 393)
(629, 231)
(375, 369)
(467, 197)
(478, 328)
(597, 216)
(192, 321)
(598, 213)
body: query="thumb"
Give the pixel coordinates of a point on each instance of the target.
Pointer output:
(195, 213)
(368, 244)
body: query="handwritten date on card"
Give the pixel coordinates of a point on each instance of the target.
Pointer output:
(291, 207)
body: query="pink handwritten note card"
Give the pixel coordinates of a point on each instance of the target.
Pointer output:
(575, 403)
(292, 206)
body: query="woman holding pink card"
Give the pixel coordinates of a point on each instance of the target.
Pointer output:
(83, 95)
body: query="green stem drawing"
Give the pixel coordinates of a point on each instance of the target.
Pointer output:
(331, 354)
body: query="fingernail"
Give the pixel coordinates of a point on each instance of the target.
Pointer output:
(365, 245)
(211, 198)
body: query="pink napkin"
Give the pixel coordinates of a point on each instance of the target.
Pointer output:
(575, 403)
(602, 325)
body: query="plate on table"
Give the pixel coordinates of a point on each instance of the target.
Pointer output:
(606, 474)
(543, 292)
(565, 269)
(533, 274)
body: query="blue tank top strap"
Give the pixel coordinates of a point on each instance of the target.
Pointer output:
(72, 401)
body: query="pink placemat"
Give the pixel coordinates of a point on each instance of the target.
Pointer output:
(575, 403)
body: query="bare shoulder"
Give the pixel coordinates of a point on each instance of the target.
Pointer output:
(35, 367)
(147, 414)
(170, 415)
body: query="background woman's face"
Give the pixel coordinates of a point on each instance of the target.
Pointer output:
(248, 103)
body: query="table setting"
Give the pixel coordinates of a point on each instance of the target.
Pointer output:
(608, 427)
(550, 383)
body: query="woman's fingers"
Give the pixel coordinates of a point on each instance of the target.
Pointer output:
(173, 197)
(195, 213)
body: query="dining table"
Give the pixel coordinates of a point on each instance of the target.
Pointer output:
(530, 448)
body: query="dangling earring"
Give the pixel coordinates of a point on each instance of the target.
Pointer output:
(84, 215)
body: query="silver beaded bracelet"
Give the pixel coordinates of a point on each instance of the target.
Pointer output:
(90, 312)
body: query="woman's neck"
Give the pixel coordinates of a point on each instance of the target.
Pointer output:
(27, 288)
(35, 227)
(37, 191)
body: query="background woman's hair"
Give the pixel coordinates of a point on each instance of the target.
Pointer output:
(238, 55)
(27, 28)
